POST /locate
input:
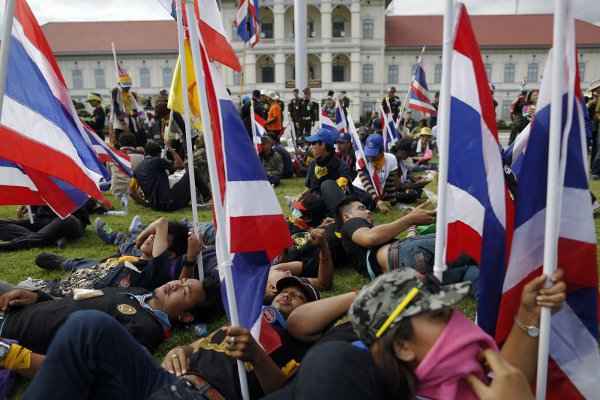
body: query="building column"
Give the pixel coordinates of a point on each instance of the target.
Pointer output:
(250, 70)
(326, 77)
(355, 28)
(326, 21)
(355, 70)
(279, 21)
(279, 60)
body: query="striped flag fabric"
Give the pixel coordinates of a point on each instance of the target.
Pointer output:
(39, 127)
(327, 122)
(107, 153)
(340, 118)
(247, 22)
(478, 202)
(574, 357)
(257, 230)
(389, 131)
(16, 187)
(418, 98)
(359, 151)
(259, 130)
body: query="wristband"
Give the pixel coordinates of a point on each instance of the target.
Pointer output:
(18, 357)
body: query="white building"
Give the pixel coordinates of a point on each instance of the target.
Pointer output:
(352, 46)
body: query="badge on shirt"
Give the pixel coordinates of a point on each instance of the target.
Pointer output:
(320, 171)
(126, 309)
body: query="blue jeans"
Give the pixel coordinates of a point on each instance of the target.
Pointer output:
(93, 357)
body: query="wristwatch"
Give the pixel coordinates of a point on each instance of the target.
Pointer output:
(531, 330)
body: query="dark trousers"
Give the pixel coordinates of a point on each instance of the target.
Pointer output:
(93, 357)
(23, 235)
(180, 195)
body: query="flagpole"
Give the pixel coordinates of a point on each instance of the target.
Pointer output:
(188, 129)
(443, 141)
(223, 256)
(554, 188)
(114, 52)
(253, 124)
(9, 13)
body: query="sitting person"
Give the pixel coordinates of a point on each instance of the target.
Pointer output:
(151, 175)
(210, 363)
(345, 152)
(34, 318)
(408, 346)
(379, 178)
(411, 187)
(167, 250)
(375, 249)
(326, 166)
(46, 229)
(119, 181)
(271, 160)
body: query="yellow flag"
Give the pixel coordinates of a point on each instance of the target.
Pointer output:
(175, 102)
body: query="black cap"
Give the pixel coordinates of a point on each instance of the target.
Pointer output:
(309, 290)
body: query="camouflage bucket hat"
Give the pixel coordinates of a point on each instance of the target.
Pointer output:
(379, 300)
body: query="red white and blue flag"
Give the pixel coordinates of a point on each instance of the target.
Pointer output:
(388, 127)
(259, 130)
(247, 22)
(340, 118)
(15, 186)
(418, 98)
(478, 201)
(574, 357)
(107, 154)
(39, 127)
(257, 230)
(359, 151)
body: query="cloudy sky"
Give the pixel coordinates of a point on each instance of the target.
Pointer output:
(80, 10)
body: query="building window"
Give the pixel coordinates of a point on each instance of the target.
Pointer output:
(100, 78)
(310, 29)
(437, 73)
(237, 78)
(505, 111)
(340, 68)
(368, 27)
(367, 108)
(266, 70)
(167, 76)
(77, 77)
(339, 28)
(488, 71)
(266, 30)
(509, 73)
(532, 72)
(582, 71)
(367, 73)
(144, 77)
(393, 74)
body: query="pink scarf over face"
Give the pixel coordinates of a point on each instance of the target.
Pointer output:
(451, 359)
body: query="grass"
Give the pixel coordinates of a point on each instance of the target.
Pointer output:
(16, 266)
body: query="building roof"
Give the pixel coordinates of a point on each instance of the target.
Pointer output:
(130, 37)
(500, 31)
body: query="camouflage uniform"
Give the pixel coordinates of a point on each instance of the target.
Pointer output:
(378, 300)
(272, 163)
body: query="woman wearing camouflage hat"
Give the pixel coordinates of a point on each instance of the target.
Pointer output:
(413, 344)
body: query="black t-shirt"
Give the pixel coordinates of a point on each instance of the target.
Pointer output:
(220, 371)
(328, 168)
(152, 177)
(358, 254)
(147, 274)
(35, 325)
(335, 370)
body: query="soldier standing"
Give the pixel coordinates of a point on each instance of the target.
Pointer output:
(309, 114)
(294, 108)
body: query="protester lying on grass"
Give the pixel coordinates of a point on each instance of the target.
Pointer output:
(34, 318)
(74, 369)
(47, 229)
(167, 250)
(374, 249)
(413, 343)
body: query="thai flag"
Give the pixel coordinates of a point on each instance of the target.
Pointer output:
(259, 130)
(211, 25)
(327, 122)
(247, 22)
(575, 360)
(478, 201)
(257, 230)
(108, 154)
(16, 187)
(359, 152)
(390, 133)
(340, 118)
(418, 99)
(39, 127)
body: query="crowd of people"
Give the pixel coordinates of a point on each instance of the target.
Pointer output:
(89, 333)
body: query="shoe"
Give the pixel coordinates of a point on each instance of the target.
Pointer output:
(136, 225)
(104, 232)
(49, 261)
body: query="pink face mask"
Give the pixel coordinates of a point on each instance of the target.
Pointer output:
(451, 359)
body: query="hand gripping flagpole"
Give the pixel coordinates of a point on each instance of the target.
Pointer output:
(188, 128)
(223, 256)
(554, 187)
(444, 140)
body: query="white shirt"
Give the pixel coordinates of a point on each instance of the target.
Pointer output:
(390, 164)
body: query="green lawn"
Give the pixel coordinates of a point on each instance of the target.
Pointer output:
(16, 266)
